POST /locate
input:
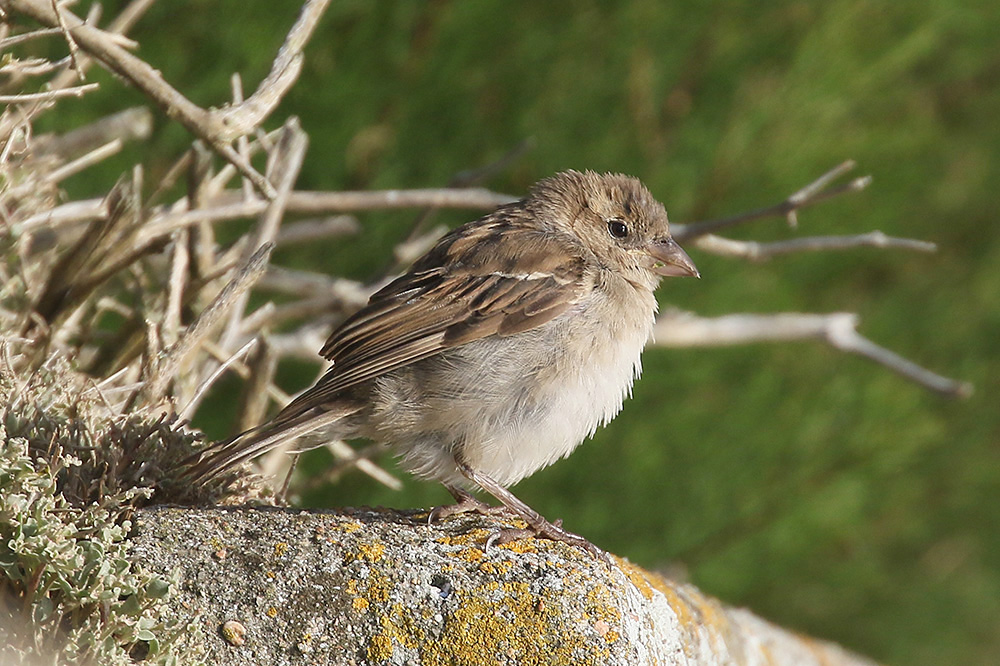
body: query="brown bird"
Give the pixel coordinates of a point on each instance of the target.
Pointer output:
(500, 350)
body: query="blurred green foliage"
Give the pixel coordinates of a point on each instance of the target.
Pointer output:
(819, 490)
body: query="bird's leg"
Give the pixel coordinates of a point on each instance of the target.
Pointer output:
(537, 525)
(465, 502)
(281, 499)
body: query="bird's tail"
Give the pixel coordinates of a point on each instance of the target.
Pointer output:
(223, 455)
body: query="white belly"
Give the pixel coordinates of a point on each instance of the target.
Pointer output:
(510, 409)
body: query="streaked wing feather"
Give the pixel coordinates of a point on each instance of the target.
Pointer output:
(448, 301)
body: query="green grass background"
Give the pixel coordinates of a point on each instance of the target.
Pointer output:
(817, 489)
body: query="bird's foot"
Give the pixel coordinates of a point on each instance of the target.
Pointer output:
(464, 503)
(546, 530)
(537, 527)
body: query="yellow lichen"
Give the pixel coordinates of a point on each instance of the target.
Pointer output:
(272, 612)
(399, 627)
(280, 549)
(374, 590)
(350, 526)
(523, 626)
(637, 575)
(601, 606)
(470, 554)
(522, 546)
(496, 568)
(379, 648)
(475, 537)
(372, 551)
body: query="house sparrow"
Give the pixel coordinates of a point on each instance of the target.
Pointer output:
(500, 350)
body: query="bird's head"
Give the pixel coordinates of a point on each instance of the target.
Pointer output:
(616, 219)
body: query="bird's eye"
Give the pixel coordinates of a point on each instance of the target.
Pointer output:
(617, 228)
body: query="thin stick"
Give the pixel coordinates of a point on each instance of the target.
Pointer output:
(254, 399)
(241, 119)
(242, 142)
(809, 195)
(245, 277)
(128, 125)
(308, 231)
(309, 284)
(287, 163)
(345, 202)
(175, 291)
(50, 95)
(192, 406)
(8, 42)
(349, 457)
(756, 251)
(839, 329)
(229, 207)
(32, 67)
(243, 371)
(73, 48)
(85, 161)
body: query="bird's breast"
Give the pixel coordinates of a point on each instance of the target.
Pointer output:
(508, 406)
(592, 355)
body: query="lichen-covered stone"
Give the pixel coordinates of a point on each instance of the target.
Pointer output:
(383, 587)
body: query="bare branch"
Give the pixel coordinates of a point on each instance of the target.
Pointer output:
(311, 230)
(128, 125)
(811, 194)
(255, 398)
(73, 48)
(756, 251)
(242, 142)
(176, 284)
(73, 212)
(31, 67)
(247, 275)
(49, 95)
(303, 344)
(318, 306)
(243, 371)
(104, 46)
(192, 406)
(347, 457)
(345, 202)
(230, 206)
(414, 247)
(85, 161)
(286, 163)
(839, 329)
(309, 284)
(9, 42)
(241, 119)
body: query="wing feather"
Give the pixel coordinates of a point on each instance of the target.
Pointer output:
(451, 299)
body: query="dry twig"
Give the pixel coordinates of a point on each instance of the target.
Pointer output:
(756, 251)
(218, 128)
(811, 194)
(166, 367)
(839, 329)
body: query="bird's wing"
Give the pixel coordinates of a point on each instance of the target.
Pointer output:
(480, 281)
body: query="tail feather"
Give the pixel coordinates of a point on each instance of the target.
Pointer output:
(221, 456)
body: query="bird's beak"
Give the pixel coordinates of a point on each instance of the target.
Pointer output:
(670, 260)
